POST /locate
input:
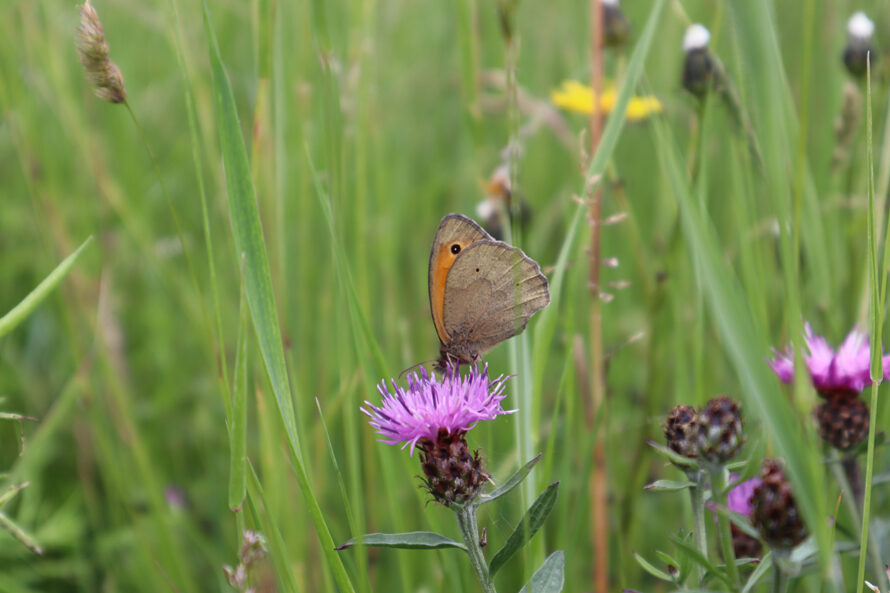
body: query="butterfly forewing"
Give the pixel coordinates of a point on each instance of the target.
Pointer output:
(455, 233)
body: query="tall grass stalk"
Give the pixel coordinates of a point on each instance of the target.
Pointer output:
(876, 313)
(599, 482)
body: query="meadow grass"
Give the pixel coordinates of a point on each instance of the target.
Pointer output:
(198, 373)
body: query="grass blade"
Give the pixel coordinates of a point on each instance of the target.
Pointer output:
(238, 409)
(21, 311)
(249, 241)
(877, 318)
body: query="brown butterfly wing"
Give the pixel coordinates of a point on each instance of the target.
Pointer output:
(455, 229)
(491, 292)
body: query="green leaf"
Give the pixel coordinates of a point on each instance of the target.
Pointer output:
(672, 455)
(238, 409)
(10, 493)
(550, 577)
(758, 573)
(20, 534)
(651, 569)
(527, 527)
(668, 559)
(698, 558)
(21, 311)
(412, 540)
(668, 486)
(510, 484)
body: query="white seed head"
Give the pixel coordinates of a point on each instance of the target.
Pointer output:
(609, 2)
(697, 37)
(487, 210)
(860, 26)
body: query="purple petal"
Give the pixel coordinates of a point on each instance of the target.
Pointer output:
(819, 359)
(428, 405)
(850, 367)
(739, 498)
(782, 365)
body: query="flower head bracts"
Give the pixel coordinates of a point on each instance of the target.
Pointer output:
(455, 403)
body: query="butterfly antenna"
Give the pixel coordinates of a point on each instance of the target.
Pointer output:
(412, 367)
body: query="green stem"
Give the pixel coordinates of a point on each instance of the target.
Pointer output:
(718, 494)
(865, 536)
(780, 579)
(848, 496)
(697, 497)
(466, 518)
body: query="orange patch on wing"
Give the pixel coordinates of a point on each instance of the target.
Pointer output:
(441, 266)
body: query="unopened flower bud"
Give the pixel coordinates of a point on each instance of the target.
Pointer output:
(700, 74)
(774, 513)
(680, 431)
(720, 430)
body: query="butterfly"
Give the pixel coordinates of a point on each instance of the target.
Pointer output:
(482, 291)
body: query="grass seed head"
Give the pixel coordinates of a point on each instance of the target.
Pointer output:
(101, 72)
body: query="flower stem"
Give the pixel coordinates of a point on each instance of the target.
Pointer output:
(780, 579)
(853, 471)
(697, 497)
(466, 518)
(719, 492)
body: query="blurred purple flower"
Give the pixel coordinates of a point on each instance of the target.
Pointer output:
(841, 372)
(455, 404)
(739, 498)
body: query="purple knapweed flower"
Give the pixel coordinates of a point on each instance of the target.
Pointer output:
(739, 498)
(841, 372)
(453, 404)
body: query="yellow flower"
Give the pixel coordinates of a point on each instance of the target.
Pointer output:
(574, 96)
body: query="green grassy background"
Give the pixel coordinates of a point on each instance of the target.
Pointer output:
(380, 111)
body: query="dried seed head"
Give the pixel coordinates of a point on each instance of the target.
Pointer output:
(720, 430)
(774, 513)
(843, 421)
(680, 430)
(101, 72)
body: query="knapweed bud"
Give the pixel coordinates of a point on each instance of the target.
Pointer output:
(451, 474)
(615, 24)
(860, 29)
(719, 430)
(700, 74)
(681, 431)
(843, 421)
(101, 72)
(774, 513)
